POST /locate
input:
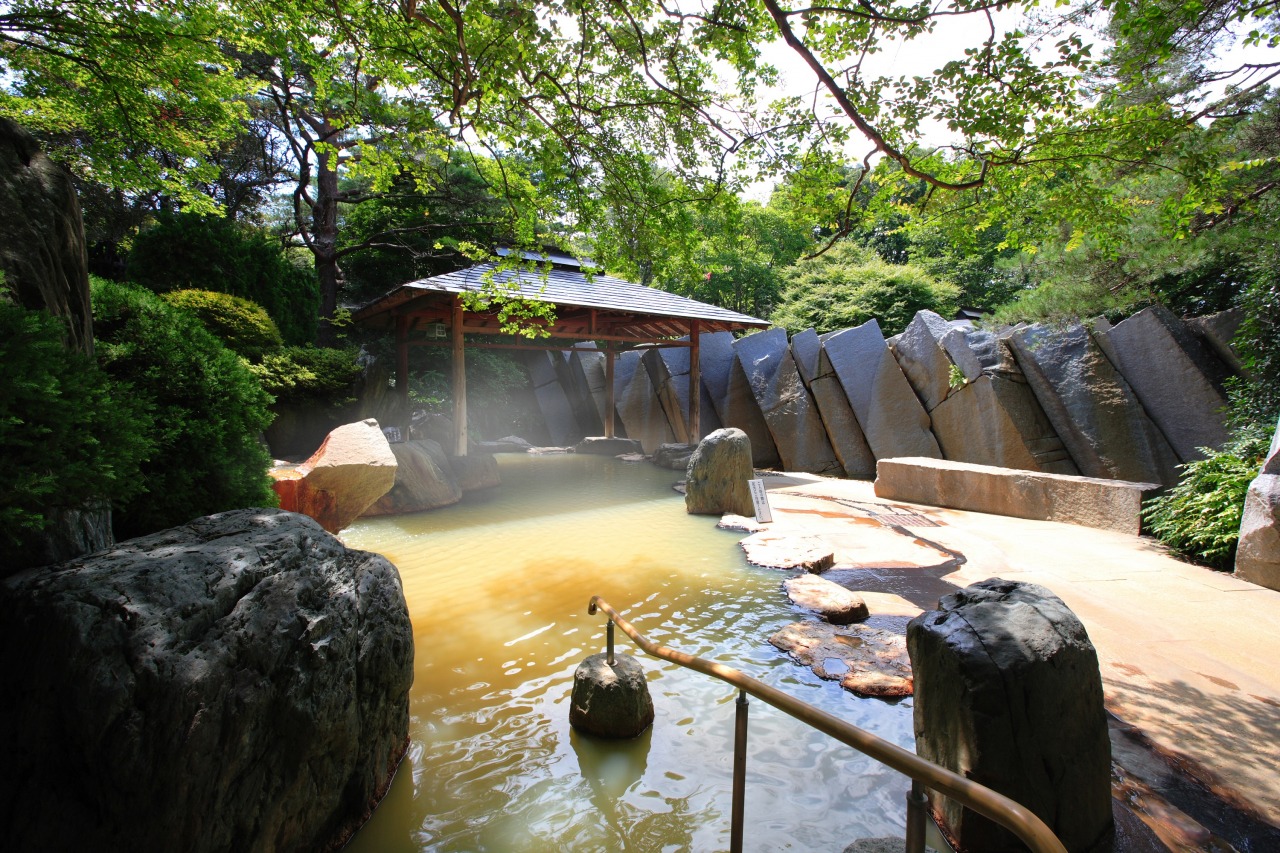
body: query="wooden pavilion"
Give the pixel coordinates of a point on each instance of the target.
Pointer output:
(616, 314)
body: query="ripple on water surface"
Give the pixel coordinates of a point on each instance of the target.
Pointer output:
(498, 587)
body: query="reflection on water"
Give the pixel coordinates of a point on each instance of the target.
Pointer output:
(498, 589)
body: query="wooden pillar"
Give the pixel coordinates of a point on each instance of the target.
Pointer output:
(402, 364)
(459, 381)
(609, 403)
(695, 382)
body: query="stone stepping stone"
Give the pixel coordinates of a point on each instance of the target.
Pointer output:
(866, 661)
(830, 601)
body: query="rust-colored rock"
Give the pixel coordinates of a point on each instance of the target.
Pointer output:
(351, 470)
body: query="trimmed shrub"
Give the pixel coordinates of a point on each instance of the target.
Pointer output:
(186, 251)
(209, 410)
(71, 436)
(244, 326)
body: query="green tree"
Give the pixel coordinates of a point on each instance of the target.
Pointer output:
(135, 95)
(208, 409)
(849, 284)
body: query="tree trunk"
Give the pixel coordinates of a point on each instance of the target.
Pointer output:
(324, 245)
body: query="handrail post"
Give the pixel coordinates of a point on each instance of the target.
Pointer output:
(609, 634)
(917, 800)
(739, 773)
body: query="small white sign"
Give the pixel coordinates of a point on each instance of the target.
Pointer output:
(760, 500)
(393, 435)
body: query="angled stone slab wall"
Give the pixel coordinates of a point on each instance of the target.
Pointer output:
(574, 383)
(735, 405)
(591, 362)
(676, 361)
(890, 414)
(1087, 501)
(1217, 331)
(672, 391)
(1177, 379)
(843, 431)
(789, 411)
(553, 402)
(641, 412)
(980, 408)
(993, 421)
(1091, 406)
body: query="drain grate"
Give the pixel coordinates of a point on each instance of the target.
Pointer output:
(906, 519)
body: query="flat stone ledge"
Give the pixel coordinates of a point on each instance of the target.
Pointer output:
(1087, 501)
(601, 446)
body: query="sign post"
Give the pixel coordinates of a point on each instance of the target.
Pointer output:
(760, 500)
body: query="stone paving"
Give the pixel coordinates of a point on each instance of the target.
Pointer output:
(1189, 656)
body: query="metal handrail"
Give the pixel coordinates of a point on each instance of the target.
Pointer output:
(1012, 815)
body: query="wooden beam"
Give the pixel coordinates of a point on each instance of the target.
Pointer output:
(695, 383)
(609, 403)
(459, 381)
(402, 361)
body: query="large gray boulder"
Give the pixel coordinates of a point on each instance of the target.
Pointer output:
(1008, 694)
(1258, 553)
(718, 473)
(1092, 408)
(424, 480)
(843, 431)
(892, 419)
(42, 249)
(1177, 379)
(789, 411)
(44, 266)
(732, 398)
(237, 683)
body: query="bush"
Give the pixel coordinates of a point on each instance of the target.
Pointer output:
(850, 285)
(244, 326)
(208, 408)
(1199, 519)
(185, 251)
(319, 374)
(71, 435)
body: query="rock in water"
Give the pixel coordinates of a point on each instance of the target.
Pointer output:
(718, 473)
(237, 683)
(424, 480)
(866, 661)
(1008, 694)
(610, 701)
(351, 470)
(832, 602)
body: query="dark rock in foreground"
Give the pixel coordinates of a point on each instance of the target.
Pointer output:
(237, 683)
(1008, 694)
